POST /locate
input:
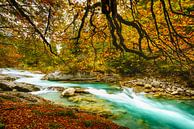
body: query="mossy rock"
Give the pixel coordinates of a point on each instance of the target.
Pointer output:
(85, 98)
(101, 110)
(90, 103)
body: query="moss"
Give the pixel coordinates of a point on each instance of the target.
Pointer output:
(2, 126)
(88, 123)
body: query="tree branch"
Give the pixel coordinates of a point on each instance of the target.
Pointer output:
(48, 21)
(13, 3)
(179, 13)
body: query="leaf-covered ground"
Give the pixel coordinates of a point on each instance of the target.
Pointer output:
(18, 114)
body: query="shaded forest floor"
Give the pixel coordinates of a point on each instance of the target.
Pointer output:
(25, 111)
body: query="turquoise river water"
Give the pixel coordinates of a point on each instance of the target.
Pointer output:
(135, 110)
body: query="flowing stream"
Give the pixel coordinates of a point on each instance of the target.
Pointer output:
(135, 110)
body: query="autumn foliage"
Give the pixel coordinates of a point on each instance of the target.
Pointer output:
(90, 31)
(17, 114)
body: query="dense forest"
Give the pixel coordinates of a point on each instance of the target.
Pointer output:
(110, 36)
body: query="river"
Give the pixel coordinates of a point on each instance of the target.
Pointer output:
(135, 110)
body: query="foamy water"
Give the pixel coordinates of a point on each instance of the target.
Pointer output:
(158, 114)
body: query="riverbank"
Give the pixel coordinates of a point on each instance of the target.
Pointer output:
(126, 108)
(153, 84)
(23, 110)
(20, 109)
(169, 87)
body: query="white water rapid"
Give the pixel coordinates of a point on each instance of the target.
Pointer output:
(159, 115)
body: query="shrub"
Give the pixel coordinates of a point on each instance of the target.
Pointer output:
(88, 123)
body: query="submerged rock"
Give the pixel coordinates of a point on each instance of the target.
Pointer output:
(83, 99)
(90, 103)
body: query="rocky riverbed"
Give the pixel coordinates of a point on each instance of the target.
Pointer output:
(86, 101)
(83, 77)
(7, 84)
(168, 87)
(160, 87)
(14, 96)
(117, 102)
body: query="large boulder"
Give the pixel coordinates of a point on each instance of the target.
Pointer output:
(25, 87)
(6, 85)
(68, 92)
(59, 76)
(18, 86)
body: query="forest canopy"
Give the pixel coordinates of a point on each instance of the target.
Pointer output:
(94, 34)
